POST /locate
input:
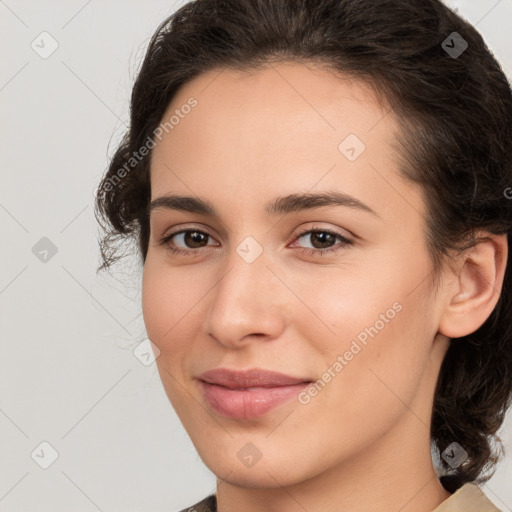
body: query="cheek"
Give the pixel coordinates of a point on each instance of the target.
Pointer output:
(167, 304)
(155, 303)
(371, 331)
(364, 387)
(343, 305)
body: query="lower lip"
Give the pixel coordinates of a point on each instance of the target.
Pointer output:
(247, 404)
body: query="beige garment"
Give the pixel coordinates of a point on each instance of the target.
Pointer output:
(468, 498)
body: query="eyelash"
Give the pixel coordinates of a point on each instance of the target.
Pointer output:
(311, 252)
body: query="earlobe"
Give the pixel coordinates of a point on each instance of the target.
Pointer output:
(473, 294)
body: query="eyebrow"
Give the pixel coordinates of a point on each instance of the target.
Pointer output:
(279, 206)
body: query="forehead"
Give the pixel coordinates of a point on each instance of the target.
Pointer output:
(290, 100)
(288, 125)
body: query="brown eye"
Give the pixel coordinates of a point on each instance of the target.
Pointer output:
(194, 239)
(322, 240)
(180, 241)
(191, 241)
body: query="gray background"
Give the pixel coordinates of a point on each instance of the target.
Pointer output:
(68, 374)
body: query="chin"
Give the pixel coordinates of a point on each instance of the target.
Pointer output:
(255, 478)
(268, 472)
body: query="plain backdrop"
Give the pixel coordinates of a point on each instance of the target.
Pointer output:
(73, 394)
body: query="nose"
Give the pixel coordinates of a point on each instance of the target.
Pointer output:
(247, 302)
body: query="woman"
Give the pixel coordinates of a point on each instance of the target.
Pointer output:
(320, 192)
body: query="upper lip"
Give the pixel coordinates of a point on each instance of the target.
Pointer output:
(255, 377)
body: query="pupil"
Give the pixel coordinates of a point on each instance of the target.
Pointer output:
(192, 238)
(323, 235)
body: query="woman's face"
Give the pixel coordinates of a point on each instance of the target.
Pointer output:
(346, 306)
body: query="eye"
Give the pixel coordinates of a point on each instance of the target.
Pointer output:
(323, 238)
(195, 240)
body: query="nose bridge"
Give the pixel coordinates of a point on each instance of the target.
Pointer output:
(245, 299)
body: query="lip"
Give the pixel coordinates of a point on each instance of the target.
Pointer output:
(248, 394)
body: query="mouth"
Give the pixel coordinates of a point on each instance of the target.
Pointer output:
(248, 394)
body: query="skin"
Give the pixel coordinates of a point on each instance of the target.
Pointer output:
(363, 442)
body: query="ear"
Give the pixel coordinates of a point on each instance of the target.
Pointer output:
(476, 287)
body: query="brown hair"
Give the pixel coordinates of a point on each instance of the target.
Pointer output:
(455, 112)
